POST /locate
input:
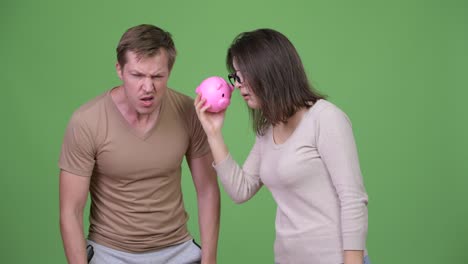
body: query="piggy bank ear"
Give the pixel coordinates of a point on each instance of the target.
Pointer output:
(197, 90)
(231, 86)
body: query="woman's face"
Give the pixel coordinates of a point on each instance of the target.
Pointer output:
(247, 94)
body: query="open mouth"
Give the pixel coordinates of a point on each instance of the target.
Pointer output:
(147, 100)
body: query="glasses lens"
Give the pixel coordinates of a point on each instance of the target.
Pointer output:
(233, 78)
(237, 78)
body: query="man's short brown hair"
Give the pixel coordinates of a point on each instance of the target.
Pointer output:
(146, 40)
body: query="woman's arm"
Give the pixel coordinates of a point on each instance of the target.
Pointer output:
(240, 183)
(338, 150)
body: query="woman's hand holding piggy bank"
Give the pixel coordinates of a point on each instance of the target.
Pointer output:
(217, 93)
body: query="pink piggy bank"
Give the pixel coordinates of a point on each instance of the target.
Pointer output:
(217, 93)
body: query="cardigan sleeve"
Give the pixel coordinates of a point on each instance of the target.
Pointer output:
(241, 183)
(337, 148)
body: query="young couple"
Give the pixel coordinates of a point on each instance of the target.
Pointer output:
(126, 146)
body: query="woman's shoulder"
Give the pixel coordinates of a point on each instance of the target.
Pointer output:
(324, 108)
(326, 113)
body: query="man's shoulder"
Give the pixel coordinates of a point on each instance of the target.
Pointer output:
(176, 95)
(179, 101)
(93, 104)
(90, 111)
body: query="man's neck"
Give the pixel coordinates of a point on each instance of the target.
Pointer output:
(141, 122)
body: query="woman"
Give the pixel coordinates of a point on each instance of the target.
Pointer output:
(304, 153)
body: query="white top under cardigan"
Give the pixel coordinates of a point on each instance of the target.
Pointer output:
(316, 182)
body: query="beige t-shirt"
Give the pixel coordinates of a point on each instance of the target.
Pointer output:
(136, 197)
(316, 182)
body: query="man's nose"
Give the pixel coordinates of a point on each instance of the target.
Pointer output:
(148, 85)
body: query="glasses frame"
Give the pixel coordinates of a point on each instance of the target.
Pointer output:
(233, 77)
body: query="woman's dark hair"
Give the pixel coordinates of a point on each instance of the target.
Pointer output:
(273, 70)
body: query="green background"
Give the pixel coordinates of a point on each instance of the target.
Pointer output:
(397, 68)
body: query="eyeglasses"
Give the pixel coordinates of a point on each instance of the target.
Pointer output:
(233, 78)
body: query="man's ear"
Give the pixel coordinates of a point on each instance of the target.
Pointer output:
(119, 70)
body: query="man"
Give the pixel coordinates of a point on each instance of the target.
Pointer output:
(126, 148)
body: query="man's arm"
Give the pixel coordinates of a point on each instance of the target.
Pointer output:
(206, 185)
(73, 195)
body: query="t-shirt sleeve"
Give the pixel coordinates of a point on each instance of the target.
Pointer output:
(198, 142)
(77, 154)
(337, 148)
